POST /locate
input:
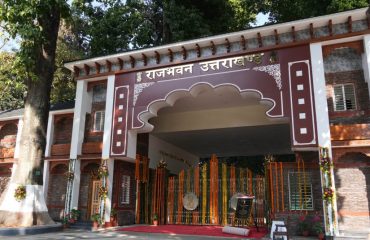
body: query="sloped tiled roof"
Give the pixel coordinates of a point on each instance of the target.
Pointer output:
(15, 113)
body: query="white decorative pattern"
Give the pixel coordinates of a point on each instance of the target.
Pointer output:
(274, 71)
(139, 87)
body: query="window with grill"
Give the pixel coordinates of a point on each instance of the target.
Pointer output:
(125, 197)
(344, 97)
(300, 191)
(99, 121)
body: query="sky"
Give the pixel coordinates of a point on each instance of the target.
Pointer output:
(261, 19)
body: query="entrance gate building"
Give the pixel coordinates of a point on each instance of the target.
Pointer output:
(281, 64)
(311, 78)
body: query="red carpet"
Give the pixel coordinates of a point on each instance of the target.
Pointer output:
(192, 230)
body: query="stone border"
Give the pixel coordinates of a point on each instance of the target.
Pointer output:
(30, 230)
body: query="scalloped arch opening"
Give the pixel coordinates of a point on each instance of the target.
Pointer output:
(204, 96)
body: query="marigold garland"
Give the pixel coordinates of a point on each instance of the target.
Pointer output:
(103, 192)
(103, 171)
(70, 175)
(20, 193)
(328, 194)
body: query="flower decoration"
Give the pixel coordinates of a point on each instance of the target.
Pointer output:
(325, 164)
(102, 171)
(328, 194)
(20, 193)
(162, 164)
(103, 192)
(304, 224)
(70, 175)
(317, 226)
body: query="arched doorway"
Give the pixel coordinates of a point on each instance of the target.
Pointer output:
(222, 121)
(89, 200)
(57, 190)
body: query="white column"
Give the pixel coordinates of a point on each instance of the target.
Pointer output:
(106, 144)
(45, 176)
(366, 60)
(49, 143)
(49, 135)
(109, 179)
(108, 117)
(81, 106)
(322, 121)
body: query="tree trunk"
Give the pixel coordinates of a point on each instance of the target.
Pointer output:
(32, 210)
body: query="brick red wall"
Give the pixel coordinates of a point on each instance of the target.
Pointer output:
(352, 181)
(57, 190)
(5, 173)
(125, 212)
(356, 77)
(8, 137)
(63, 125)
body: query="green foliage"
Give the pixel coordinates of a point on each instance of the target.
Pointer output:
(64, 86)
(11, 83)
(289, 10)
(27, 19)
(107, 27)
(96, 218)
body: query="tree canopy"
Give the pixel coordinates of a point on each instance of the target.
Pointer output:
(100, 27)
(290, 10)
(107, 27)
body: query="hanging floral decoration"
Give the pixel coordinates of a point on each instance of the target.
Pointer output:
(70, 175)
(103, 192)
(328, 194)
(162, 164)
(325, 164)
(103, 171)
(20, 193)
(325, 161)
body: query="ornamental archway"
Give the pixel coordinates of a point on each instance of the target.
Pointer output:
(281, 77)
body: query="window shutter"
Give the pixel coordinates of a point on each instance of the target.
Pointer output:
(125, 197)
(344, 97)
(99, 121)
(300, 191)
(339, 98)
(350, 98)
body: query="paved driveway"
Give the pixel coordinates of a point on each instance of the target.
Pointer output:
(110, 234)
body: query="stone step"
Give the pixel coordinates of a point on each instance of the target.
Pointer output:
(346, 235)
(81, 225)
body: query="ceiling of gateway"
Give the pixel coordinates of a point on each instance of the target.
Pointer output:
(222, 121)
(241, 141)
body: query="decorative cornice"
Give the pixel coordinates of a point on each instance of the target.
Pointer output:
(256, 39)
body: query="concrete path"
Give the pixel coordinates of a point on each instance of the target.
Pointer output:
(111, 234)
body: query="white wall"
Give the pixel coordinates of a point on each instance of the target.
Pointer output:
(156, 145)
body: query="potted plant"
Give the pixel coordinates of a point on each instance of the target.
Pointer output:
(304, 225)
(155, 219)
(75, 213)
(317, 227)
(113, 217)
(96, 219)
(65, 221)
